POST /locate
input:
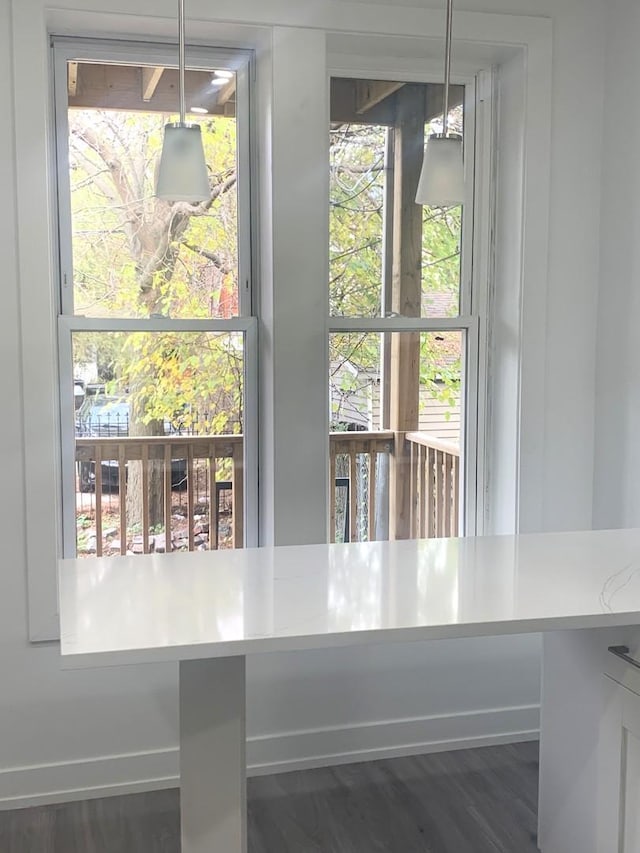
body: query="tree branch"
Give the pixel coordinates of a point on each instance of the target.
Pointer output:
(216, 260)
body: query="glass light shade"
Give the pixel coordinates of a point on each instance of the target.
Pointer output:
(442, 177)
(182, 175)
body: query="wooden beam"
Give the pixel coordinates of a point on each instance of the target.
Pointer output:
(435, 99)
(343, 105)
(346, 109)
(120, 87)
(226, 92)
(72, 79)
(405, 300)
(369, 93)
(150, 79)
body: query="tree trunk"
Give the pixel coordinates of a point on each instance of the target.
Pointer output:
(134, 475)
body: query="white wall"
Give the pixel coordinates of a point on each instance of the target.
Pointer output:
(617, 449)
(82, 732)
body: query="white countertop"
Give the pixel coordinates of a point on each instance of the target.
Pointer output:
(217, 604)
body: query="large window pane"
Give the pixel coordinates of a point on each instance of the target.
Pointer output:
(366, 225)
(134, 255)
(357, 184)
(159, 423)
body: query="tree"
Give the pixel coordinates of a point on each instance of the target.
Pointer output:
(356, 273)
(138, 256)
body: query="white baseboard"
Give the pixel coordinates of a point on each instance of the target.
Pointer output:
(271, 753)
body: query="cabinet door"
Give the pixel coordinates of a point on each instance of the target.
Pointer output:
(619, 773)
(630, 774)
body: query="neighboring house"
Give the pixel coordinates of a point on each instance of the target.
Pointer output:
(355, 392)
(355, 404)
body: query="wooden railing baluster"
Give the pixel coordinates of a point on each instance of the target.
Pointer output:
(145, 498)
(122, 500)
(353, 493)
(448, 494)
(332, 492)
(422, 503)
(413, 484)
(213, 499)
(436, 479)
(168, 543)
(431, 492)
(371, 522)
(98, 500)
(190, 504)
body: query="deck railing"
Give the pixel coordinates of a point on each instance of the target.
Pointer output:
(359, 472)
(201, 457)
(435, 486)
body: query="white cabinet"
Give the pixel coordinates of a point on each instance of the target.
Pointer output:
(590, 743)
(619, 764)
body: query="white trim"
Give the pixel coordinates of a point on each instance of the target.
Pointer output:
(534, 228)
(59, 533)
(472, 428)
(278, 752)
(71, 323)
(248, 25)
(329, 15)
(469, 423)
(383, 68)
(251, 425)
(484, 232)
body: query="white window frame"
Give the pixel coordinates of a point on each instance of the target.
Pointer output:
(115, 52)
(522, 45)
(473, 290)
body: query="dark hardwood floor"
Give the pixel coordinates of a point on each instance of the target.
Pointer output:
(468, 801)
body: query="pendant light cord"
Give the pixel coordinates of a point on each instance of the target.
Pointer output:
(181, 58)
(447, 67)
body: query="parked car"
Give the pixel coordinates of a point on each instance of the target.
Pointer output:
(102, 415)
(106, 416)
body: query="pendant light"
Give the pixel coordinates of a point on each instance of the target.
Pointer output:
(182, 175)
(442, 177)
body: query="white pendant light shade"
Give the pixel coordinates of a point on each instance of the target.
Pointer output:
(182, 175)
(441, 181)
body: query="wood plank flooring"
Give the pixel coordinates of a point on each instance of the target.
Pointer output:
(467, 801)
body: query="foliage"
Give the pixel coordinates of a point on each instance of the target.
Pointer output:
(357, 223)
(136, 256)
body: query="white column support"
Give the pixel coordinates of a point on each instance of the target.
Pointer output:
(213, 798)
(294, 294)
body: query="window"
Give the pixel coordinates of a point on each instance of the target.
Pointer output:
(403, 336)
(156, 338)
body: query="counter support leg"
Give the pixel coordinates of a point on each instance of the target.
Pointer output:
(213, 802)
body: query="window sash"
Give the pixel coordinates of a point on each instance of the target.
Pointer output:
(241, 61)
(468, 320)
(246, 325)
(115, 52)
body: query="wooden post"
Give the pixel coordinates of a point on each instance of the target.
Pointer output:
(406, 296)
